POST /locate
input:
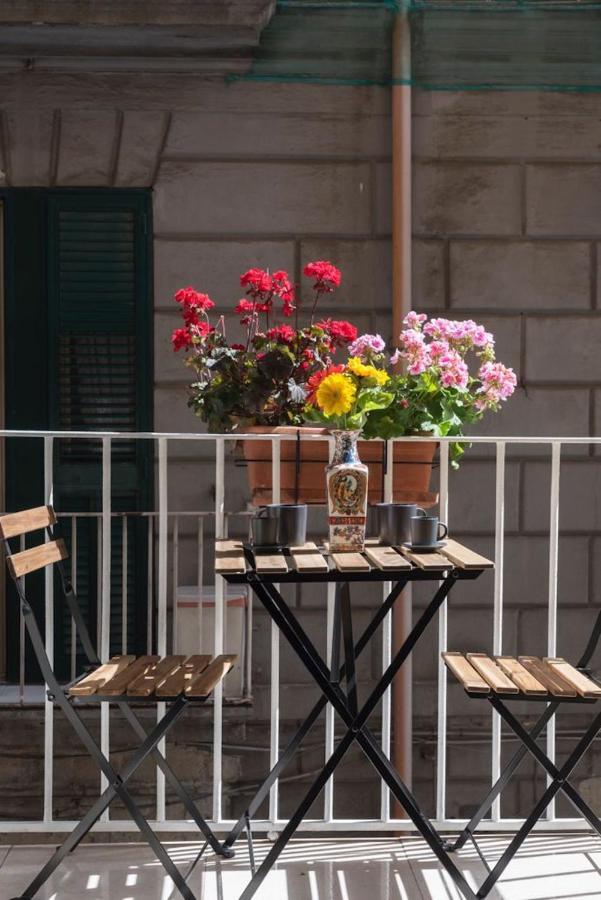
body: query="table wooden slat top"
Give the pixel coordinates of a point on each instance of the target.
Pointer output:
(430, 562)
(236, 560)
(386, 557)
(309, 562)
(465, 558)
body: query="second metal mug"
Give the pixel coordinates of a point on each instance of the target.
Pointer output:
(395, 521)
(291, 521)
(427, 531)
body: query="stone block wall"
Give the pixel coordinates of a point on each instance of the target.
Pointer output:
(507, 191)
(506, 198)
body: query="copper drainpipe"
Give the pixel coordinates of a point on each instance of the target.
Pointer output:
(401, 304)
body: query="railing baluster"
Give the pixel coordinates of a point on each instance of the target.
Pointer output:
(553, 572)
(105, 633)
(175, 582)
(162, 606)
(200, 580)
(124, 573)
(218, 633)
(21, 634)
(150, 587)
(49, 641)
(498, 610)
(274, 737)
(328, 794)
(74, 586)
(387, 643)
(98, 583)
(441, 738)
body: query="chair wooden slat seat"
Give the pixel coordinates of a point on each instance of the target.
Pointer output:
(520, 676)
(525, 677)
(87, 686)
(465, 673)
(203, 684)
(146, 677)
(581, 683)
(180, 679)
(492, 673)
(147, 683)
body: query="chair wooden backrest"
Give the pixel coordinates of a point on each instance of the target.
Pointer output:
(26, 561)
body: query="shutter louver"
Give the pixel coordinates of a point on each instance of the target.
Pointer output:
(103, 382)
(96, 293)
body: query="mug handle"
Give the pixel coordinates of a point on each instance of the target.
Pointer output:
(445, 532)
(420, 512)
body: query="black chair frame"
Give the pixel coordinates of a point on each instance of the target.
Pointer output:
(117, 782)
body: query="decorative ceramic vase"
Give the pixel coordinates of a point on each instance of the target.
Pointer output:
(346, 479)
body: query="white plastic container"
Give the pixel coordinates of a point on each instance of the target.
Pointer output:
(194, 628)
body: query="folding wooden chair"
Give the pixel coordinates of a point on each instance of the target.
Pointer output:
(554, 681)
(122, 680)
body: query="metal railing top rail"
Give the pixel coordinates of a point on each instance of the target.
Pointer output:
(279, 436)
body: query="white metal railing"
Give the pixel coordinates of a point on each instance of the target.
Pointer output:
(162, 518)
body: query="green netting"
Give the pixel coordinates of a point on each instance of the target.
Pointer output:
(455, 44)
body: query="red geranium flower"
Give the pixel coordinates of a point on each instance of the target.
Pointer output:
(282, 285)
(258, 281)
(237, 347)
(283, 333)
(190, 315)
(284, 289)
(180, 339)
(327, 276)
(245, 306)
(316, 379)
(340, 332)
(190, 298)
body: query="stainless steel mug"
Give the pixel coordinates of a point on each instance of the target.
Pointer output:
(264, 529)
(291, 519)
(395, 522)
(427, 531)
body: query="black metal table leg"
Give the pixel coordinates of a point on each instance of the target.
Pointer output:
(297, 739)
(349, 648)
(357, 729)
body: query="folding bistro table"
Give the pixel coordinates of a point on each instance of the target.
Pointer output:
(310, 565)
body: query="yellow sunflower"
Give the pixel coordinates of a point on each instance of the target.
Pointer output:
(336, 395)
(359, 369)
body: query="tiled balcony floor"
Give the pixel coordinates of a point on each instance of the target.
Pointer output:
(548, 868)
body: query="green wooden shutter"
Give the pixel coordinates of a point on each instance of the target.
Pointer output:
(97, 257)
(101, 377)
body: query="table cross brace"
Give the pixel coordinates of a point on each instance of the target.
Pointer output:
(356, 725)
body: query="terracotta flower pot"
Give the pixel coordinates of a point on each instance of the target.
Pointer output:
(302, 472)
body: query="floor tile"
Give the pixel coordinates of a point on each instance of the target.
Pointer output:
(547, 868)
